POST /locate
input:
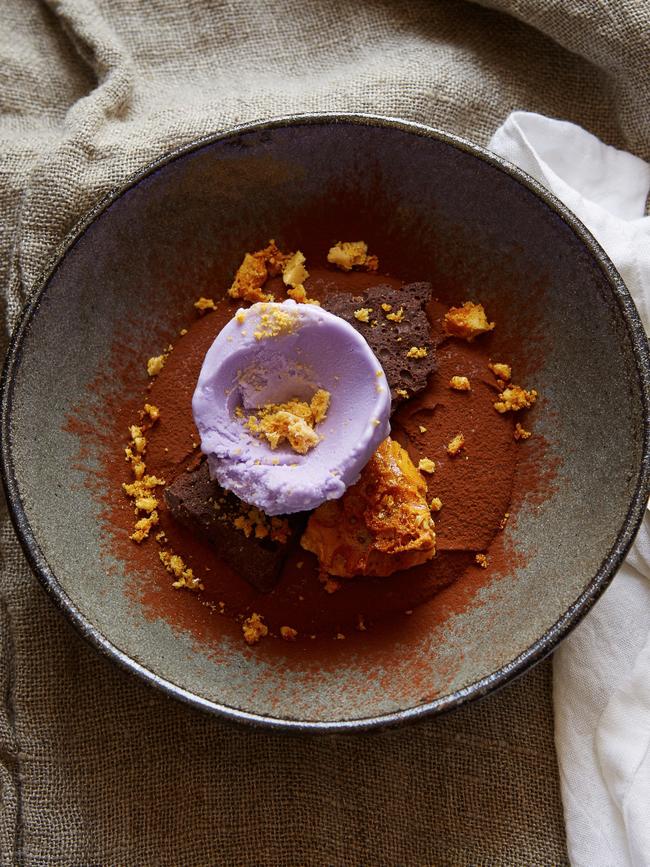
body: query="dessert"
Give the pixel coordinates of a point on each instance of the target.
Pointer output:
(323, 446)
(392, 322)
(267, 357)
(380, 525)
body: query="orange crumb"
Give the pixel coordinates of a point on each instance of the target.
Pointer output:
(254, 628)
(204, 304)
(436, 504)
(293, 421)
(521, 434)
(273, 322)
(183, 574)
(294, 275)
(500, 370)
(288, 633)
(514, 398)
(467, 321)
(417, 352)
(456, 444)
(349, 255)
(426, 465)
(460, 383)
(482, 561)
(363, 314)
(156, 364)
(254, 271)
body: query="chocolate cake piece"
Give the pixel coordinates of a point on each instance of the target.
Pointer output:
(391, 338)
(204, 506)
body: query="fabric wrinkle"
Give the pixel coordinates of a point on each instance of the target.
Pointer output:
(117, 773)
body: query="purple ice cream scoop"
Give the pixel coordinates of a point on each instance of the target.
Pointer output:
(272, 353)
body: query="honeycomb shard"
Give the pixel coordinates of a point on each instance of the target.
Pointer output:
(380, 525)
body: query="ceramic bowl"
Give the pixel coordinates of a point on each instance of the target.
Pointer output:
(434, 207)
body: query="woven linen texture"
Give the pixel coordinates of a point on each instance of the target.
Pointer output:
(95, 767)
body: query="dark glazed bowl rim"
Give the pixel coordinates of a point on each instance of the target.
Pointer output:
(533, 654)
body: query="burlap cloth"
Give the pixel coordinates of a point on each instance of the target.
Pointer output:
(97, 768)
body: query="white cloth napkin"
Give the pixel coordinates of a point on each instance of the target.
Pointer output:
(602, 671)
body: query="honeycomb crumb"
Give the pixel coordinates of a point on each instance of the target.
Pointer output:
(417, 352)
(255, 270)
(294, 275)
(203, 305)
(347, 255)
(288, 633)
(504, 520)
(436, 504)
(330, 585)
(363, 314)
(460, 383)
(515, 398)
(467, 322)
(380, 525)
(274, 322)
(426, 465)
(293, 421)
(254, 522)
(500, 370)
(147, 503)
(422, 428)
(482, 561)
(183, 332)
(142, 489)
(183, 574)
(254, 628)
(361, 623)
(142, 526)
(401, 392)
(319, 405)
(456, 444)
(155, 364)
(152, 411)
(398, 316)
(339, 636)
(294, 272)
(521, 433)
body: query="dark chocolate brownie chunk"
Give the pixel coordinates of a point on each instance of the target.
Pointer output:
(391, 339)
(203, 505)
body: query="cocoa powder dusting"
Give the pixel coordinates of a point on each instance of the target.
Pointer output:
(476, 488)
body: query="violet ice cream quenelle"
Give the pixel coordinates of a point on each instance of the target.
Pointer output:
(267, 356)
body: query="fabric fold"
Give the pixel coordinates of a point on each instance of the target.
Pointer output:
(602, 670)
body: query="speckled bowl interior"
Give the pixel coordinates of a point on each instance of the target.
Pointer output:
(435, 208)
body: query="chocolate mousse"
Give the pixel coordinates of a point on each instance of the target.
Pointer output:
(394, 322)
(252, 543)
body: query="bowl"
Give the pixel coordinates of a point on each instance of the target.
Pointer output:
(434, 207)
